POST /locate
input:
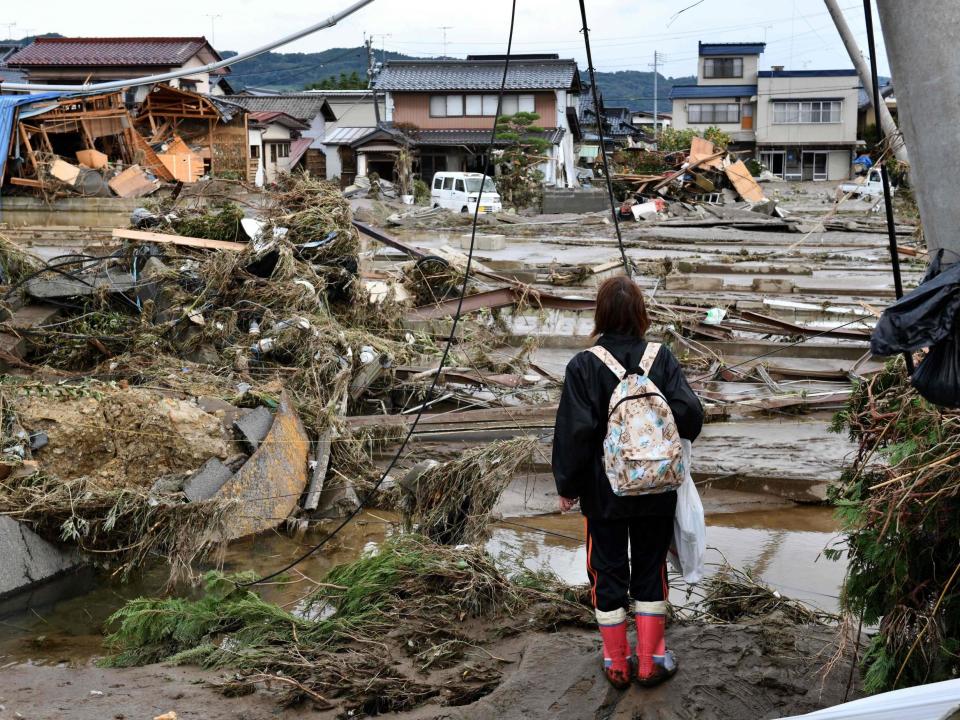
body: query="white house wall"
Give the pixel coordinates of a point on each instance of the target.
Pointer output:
(807, 88)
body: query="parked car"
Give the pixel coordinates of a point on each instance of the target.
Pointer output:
(460, 192)
(870, 184)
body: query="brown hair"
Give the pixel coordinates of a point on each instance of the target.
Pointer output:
(620, 308)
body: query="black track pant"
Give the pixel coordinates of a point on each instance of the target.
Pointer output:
(616, 578)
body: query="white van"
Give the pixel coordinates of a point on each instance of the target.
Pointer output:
(459, 191)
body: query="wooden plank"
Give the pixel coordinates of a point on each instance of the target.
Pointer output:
(703, 151)
(26, 182)
(744, 183)
(150, 159)
(144, 236)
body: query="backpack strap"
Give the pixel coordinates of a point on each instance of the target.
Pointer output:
(649, 355)
(609, 360)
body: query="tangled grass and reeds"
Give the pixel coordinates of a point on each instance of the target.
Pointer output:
(899, 505)
(384, 633)
(451, 502)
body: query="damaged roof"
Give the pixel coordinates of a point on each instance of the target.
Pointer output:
(426, 75)
(111, 51)
(712, 91)
(303, 106)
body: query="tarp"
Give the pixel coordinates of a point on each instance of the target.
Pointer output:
(923, 317)
(937, 701)
(8, 111)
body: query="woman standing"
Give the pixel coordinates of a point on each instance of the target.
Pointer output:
(615, 520)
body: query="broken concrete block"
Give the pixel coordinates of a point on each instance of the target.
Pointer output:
(700, 283)
(254, 426)
(268, 487)
(28, 559)
(484, 242)
(772, 285)
(205, 483)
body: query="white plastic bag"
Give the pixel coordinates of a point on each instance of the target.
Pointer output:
(689, 527)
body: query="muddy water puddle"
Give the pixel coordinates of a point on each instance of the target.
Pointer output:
(782, 547)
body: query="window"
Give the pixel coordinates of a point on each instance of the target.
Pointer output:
(713, 113)
(459, 185)
(510, 105)
(437, 183)
(255, 151)
(723, 67)
(474, 104)
(454, 105)
(273, 152)
(438, 106)
(448, 183)
(283, 149)
(473, 185)
(490, 105)
(814, 111)
(527, 103)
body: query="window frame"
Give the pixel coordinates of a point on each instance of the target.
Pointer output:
(456, 99)
(255, 152)
(712, 62)
(802, 112)
(712, 117)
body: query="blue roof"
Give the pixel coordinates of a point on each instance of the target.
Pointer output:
(731, 48)
(806, 73)
(712, 91)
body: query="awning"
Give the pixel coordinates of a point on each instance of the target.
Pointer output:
(378, 148)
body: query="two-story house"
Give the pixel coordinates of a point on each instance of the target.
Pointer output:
(807, 122)
(801, 124)
(725, 95)
(332, 118)
(447, 109)
(76, 60)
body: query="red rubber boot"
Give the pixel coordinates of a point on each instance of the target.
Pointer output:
(655, 663)
(616, 647)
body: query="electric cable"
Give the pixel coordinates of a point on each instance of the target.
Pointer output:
(598, 109)
(450, 338)
(884, 176)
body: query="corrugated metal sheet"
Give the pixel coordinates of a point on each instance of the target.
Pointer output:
(345, 135)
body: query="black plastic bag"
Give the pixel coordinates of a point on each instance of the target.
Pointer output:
(923, 317)
(938, 377)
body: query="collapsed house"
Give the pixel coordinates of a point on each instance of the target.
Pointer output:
(92, 145)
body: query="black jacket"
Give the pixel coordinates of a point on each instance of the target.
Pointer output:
(582, 424)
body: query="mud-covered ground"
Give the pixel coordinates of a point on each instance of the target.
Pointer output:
(752, 670)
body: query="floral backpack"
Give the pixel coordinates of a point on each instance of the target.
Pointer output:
(642, 454)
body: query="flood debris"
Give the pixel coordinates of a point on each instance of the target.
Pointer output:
(898, 501)
(431, 607)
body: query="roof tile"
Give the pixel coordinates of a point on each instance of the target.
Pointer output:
(424, 75)
(107, 52)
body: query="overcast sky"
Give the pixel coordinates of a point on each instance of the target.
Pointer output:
(799, 33)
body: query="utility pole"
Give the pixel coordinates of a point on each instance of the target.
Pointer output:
(368, 42)
(919, 38)
(444, 28)
(887, 123)
(371, 69)
(213, 34)
(656, 59)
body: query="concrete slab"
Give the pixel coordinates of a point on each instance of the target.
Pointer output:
(205, 483)
(28, 559)
(254, 426)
